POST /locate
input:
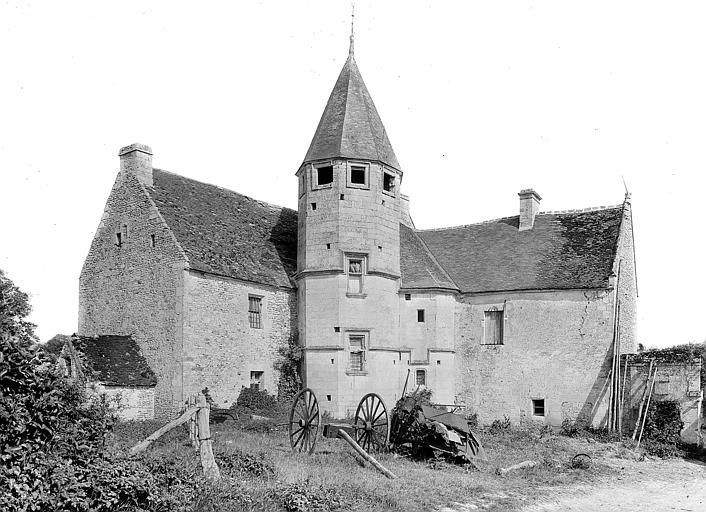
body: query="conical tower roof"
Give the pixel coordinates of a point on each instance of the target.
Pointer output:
(350, 126)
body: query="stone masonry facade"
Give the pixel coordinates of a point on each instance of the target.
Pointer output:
(512, 317)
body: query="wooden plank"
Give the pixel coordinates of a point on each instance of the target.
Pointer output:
(342, 433)
(142, 445)
(642, 400)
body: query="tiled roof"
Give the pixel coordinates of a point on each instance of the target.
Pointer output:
(226, 233)
(561, 251)
(115, 361)
(418, 268)
(350, 126)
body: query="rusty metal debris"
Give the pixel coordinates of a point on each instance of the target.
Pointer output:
(425, 431)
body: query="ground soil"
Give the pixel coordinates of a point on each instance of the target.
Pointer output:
(656, 485)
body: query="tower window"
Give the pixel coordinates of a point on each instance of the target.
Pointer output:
(538, 407)
(358, 175)
(152, 240)
(407, 296)
(255, 312)
(356, 355)
(420, 315)
(355, 270)
(313, 206)
(388, 183)
(324, 175)
(119, 239)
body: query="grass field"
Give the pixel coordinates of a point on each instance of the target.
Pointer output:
(261, 473)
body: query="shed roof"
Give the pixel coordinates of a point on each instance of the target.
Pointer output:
(226, 233)
(115, 361)
(562, 251)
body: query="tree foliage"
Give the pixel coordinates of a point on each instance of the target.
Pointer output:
(52, 440)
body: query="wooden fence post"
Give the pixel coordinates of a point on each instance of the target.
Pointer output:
(210, 468)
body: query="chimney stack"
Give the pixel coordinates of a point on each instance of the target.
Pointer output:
(529, 206)
(137, 159)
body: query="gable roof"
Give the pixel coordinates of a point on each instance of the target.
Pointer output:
(114, 361)
(350, 126)
(226, 233)
(562, 251)
(418, 267)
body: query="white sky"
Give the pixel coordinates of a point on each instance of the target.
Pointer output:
(480, 100)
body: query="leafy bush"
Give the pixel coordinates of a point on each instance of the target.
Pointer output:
(663, 423)
(256, 400)
(52, 440)
(304, 497)
(288, 365)
(499, 426)
(237, 460)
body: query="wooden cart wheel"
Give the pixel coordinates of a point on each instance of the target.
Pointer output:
(304, 421)
(372, 427)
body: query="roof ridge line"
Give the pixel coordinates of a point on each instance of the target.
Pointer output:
(551, 212)
(226, 189)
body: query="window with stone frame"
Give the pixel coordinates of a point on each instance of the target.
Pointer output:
(356, 352)
(420, 377)
(324, 175)
(538, 407)
(493, 327)
(388, 182)
(355, 268)
(255, 311)
(358, 176)
(256, 380)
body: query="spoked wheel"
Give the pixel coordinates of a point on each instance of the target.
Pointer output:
(304, 421)
(372, 428)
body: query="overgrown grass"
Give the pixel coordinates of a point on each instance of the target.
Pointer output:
(261, 473)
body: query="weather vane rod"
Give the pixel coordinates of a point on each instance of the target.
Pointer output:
(350, 49)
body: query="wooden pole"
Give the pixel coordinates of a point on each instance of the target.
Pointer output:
(622, 396)
(208, 462)
(142, 445)
(616, 396)
(642, 400)
(344, 435)
(647, 409)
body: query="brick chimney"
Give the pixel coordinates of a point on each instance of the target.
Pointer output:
(529, 206)
(137, 159)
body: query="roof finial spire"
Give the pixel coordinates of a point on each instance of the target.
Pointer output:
(350, 49)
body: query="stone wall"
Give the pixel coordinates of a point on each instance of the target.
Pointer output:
(627, 284)
(678, 378)
(220, 347)
(556, 348)
(132, 404)
(134, 288)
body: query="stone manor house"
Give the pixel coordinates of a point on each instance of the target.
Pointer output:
(512, 317)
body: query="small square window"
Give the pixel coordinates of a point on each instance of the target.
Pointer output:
(256, 380)
(119, 239)
(388, 183)
(407, 296)
(421, 377)
(152, 240)
(358, 175)
(420, 315)
(324, 175)
(313, 206)
(255, 312)
(538, 407)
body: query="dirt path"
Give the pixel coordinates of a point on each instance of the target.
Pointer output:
(659, 486)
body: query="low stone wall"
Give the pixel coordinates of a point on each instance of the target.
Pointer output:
(132, 404)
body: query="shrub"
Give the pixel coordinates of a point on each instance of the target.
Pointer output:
(663, 423)
(255, 399)
(288, 364)
(304, 497)
(499, 426)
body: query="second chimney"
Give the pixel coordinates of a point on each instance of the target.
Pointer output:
(137, 159)
(529, 206)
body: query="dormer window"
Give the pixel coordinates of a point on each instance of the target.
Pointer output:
(324, 175)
